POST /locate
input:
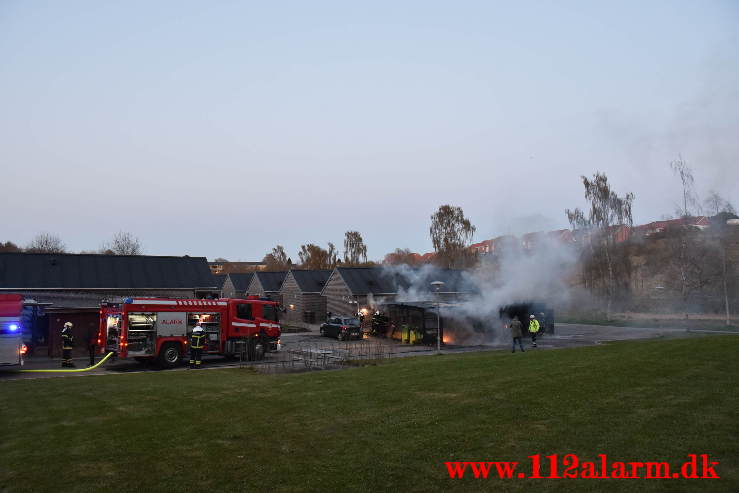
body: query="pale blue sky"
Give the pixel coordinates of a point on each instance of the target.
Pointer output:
(224, 128)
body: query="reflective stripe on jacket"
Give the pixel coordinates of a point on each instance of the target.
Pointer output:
(67, 340)
(534, 325)
(197, 341)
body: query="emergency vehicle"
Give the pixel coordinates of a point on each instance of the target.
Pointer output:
(159, 328)
(12, 349)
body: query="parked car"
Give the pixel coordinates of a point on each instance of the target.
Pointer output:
(342, 328)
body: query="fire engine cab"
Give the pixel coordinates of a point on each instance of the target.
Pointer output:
(159, 328)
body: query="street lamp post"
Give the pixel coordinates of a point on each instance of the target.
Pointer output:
(437, 287)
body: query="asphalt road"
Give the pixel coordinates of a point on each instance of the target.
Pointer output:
(567, 335)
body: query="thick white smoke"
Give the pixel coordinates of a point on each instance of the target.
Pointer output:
(541, 274)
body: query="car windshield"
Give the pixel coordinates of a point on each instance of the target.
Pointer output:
(350, 321)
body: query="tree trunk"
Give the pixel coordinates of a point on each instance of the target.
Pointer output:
(683, 273)
(610, 279)
(726, 291)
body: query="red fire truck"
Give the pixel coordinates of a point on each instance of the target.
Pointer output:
(159, 328)
(12, 348)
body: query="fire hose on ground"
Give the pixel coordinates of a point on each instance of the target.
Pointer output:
(56, 370)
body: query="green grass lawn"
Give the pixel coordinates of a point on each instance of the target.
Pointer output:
(379, 428)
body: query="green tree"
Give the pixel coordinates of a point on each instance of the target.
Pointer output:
(355, 251)
(606, 210)
(451, 235)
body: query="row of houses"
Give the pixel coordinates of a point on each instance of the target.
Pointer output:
(70, 287)
(307, 296)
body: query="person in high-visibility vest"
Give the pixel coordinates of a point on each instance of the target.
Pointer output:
(533, 329)
(67, 344)
(197, 343)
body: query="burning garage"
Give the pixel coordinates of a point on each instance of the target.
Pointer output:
(359, 290)
(460, 323)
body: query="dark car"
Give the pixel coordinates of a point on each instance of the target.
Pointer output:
(342, 328)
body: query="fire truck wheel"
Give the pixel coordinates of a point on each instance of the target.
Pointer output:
(170, 355)
(251, 343)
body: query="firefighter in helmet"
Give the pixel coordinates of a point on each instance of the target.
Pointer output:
(533, 329)
(197, 343)
(67, 344)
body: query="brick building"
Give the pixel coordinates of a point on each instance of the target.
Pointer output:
(236, 285)
(349, 290)
(301, 296)
(266, 285)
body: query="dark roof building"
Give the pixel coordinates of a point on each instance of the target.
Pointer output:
(70, 287)
(301, 296)
(236, 285)
(86, 272)
(219, 279)
(350, 289)
(266, 284)
(309, 281)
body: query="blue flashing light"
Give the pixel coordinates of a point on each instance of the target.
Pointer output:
(13, 327)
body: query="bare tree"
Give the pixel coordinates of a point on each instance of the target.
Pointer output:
(715, 204)
(722, 209)
(314, 257)
(123, 243)
(277, 260)
(355, 251)
(46, 243)
(725, 236)
(607, 209)
(220, 259)
(690, 199)
(691, 265)
(451, 234)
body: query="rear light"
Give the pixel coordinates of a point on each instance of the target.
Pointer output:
(344, 327)
(23, 350)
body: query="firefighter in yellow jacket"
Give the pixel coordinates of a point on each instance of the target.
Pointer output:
(533, 329)
(197, 343)
(67, 344)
